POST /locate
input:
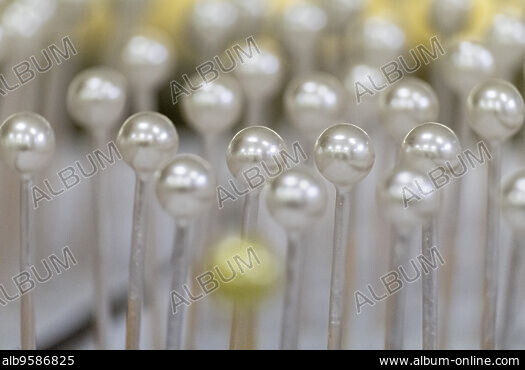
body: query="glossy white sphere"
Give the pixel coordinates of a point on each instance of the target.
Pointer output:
(96, 98)
(215, 107)
(495, 110)
(297, 199)
(27, 142)
(431, 145)
(315, 102)
(186, 187)
(147, 141)
(407, 104)
(255, 147)
(344, 155)
(402, 200)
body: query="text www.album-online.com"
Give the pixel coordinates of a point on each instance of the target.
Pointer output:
(461, 361)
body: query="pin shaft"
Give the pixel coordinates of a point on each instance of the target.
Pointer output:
(179, 264)
(396, 303)
(342, 223)
(490, 275)
(100, 276)
(27, 308)
(429, 286)
(292, 293)
(136, 267)
(243, 320)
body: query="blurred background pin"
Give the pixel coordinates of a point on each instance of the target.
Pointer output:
(55, 83)
(449, 17)
(465, 65)
(302, 27)
(344, 18)
(409, 103)
(212, 25)
(212, 110)
(185, 189)
(312, 104)
(359, 80)
(379, 40)
(407, 199)
(127, 16)
(296, 200)
(96, 99)
(247, 287)
(148, 60)
(252, 16)
(260, 75)
(25, 24)
(506, 40)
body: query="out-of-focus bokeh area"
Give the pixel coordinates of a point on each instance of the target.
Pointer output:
(298, 38)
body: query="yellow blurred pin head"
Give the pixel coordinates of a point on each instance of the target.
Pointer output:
(246, 271)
